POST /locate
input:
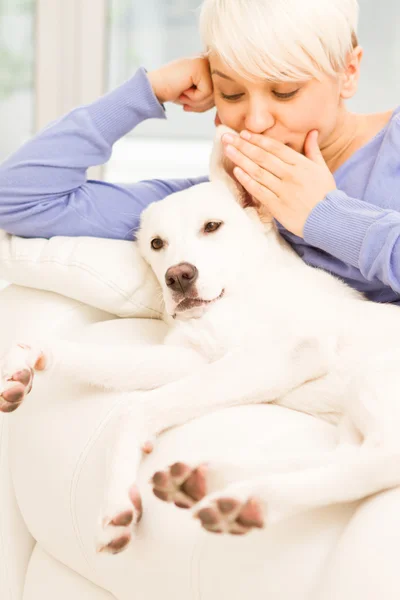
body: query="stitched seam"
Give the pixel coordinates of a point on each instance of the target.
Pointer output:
(195, 569)
(92, 272)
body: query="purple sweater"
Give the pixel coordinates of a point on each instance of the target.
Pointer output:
(354, 232)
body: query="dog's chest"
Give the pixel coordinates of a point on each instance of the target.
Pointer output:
(215, 334)
(208, 340)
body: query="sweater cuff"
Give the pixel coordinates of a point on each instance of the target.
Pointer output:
(338, 225)
(122, 109)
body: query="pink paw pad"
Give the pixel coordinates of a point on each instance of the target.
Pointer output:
(180, 484)
(117, 545)
(229, 515)
(17, 373)
(117, 530)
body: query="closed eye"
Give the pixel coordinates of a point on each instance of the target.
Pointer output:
(232, 98)
(279, 95)
(285, 96)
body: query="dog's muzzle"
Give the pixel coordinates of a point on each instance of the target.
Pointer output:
(181, 278)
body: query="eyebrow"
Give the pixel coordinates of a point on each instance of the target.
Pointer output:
(216, 72)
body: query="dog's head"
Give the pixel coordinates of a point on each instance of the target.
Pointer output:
(203, 243)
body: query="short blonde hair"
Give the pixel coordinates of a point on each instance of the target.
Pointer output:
(280, 40)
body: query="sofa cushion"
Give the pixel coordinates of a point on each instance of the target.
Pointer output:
(108, 274)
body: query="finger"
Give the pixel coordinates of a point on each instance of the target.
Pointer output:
(278, 149)
(197, 95)
(199, 109)
(259, 174)
(195, 110)
(193, 93)
(202, 79)
(209, 102)
(258, 155)
(196, 102)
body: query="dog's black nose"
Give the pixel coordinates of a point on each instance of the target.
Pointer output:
(181, 277)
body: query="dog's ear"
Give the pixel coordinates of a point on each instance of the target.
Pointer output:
(221, 169)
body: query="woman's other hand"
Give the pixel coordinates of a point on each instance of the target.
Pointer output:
(186, 81)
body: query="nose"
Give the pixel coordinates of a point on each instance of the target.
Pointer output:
(259, 118)
(181, 277)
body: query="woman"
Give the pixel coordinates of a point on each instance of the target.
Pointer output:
(279, 73)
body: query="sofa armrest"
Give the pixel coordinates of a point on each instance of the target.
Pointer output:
(16, 543)
(27, 313)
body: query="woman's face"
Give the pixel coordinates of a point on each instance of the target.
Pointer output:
(281, 111)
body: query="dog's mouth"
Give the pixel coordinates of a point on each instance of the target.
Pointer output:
(189, 303)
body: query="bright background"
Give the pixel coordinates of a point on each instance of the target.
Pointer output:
(57, 54)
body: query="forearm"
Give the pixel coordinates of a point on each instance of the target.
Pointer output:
(360, 234)
(43, 185)
(61, 153)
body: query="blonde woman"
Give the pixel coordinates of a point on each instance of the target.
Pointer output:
(279, 73)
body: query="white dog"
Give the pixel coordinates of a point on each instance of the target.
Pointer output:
(249, 323)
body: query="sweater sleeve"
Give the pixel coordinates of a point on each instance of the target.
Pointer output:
(44, 190)
(358, 233)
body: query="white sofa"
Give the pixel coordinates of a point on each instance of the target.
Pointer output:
(52, 452)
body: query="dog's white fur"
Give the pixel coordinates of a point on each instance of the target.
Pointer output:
(282, 332)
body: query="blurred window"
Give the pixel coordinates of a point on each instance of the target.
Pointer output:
(17, 18)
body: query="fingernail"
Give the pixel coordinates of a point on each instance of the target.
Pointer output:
(245, 135)
(227, 138)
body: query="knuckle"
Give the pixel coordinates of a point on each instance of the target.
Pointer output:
(258, 172)
(255, 187)
(239, 143)
(259, 156)
(270, 142)
(258, 139)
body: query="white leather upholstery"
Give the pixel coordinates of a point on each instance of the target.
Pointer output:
(108, 274)
(52, 452)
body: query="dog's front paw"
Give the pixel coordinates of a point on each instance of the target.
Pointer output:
(230, 511)
(17, 372)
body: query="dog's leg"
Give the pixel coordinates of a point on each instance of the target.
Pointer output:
(125, 367)
(354, 474)
(185, 484)
(118, 367)
(122, 506)
(236, 379)
(245, 376)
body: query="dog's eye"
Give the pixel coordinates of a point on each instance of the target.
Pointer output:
(212, 226)
(157, 244)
